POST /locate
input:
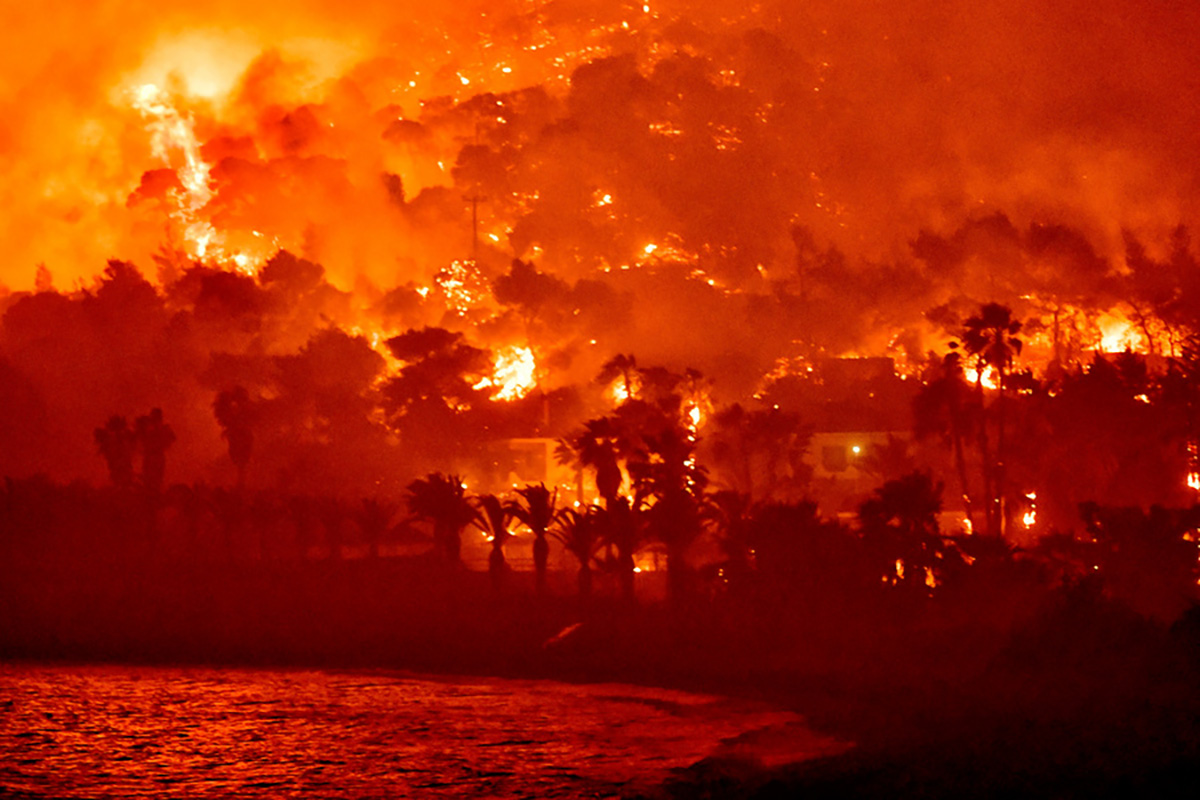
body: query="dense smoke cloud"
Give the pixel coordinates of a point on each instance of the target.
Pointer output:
(883, 118)
(707, 185)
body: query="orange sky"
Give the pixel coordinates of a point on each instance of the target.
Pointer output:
(1080, 113)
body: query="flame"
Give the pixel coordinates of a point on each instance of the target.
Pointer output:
(990, 377)
(930, 578)
(1118, 334)
(1030, 516)
(172, 135)
(463, 285)
(618, 392)
(173, 141)
(1193, 480)
(514, 373)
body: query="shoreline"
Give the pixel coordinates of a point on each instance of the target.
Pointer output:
(1078, 694)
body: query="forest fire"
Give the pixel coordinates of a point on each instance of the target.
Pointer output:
(804, 339)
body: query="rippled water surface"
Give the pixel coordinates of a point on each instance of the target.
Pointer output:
(152, 732)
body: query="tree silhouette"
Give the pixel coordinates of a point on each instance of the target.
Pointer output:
(442, 500)
(428, 400)
(751, 446)
(900, 527)
(619, 527)
(535, 510)
(624, 367)
(991, 338)
(154, 437)
(493, 519)
(945, 406)
(666, 473)
(600, 446)
(579, 532)
(116, 443)
(235, 413)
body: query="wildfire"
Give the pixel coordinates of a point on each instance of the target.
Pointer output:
(172, 135)
(1118, 334)
(173, 141)
(463, 286)
(1030, 517)
(513, 373)
(990, 379)
(620, 391)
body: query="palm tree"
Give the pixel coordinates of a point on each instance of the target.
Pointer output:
(116, 443)
(667, 474)
(624, 367)
(442, 500)
(154, 436)
(579, 532)
(599, 446)
(991, 338)
(944, 406)
(235, 413)
(900, 520)
(493, 517)
(535, 510)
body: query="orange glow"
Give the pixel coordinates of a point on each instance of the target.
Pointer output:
(619, 392)
(513, 373)
(930, 579)
(173, 141)
(990, 377)
(1118, 334)
(1030, 517)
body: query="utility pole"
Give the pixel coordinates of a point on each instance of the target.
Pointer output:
(474, 200)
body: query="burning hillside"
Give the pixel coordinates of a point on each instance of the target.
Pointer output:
(738, 189)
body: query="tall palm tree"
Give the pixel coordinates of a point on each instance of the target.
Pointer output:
(535, 510)
(493, 517)
(944, 406)
(579, 532)
(900, 522)
(116, 443)
(624, 367)
(991, 338)
(667, 478)
(234, 411)
(154, 436)
(620, 529)
(442, 500)
(598, 446)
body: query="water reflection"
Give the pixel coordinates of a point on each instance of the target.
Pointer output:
(144, 732)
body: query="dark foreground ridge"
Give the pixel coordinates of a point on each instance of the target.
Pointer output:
(1056, 693)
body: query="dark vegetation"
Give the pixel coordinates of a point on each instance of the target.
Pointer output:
(958, 663)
